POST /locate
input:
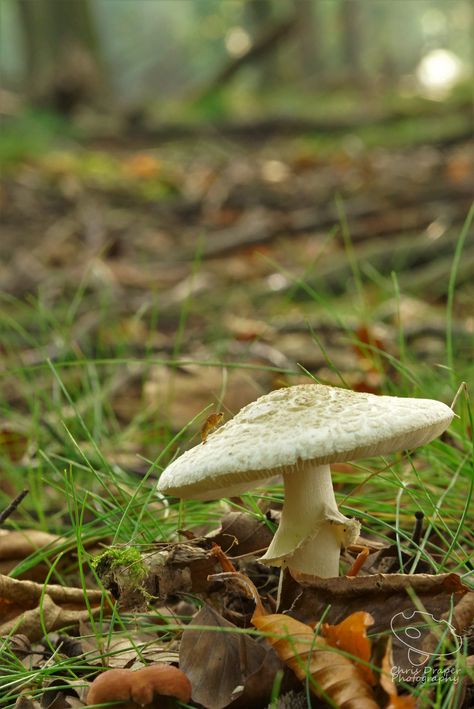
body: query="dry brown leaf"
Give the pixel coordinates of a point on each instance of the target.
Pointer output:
(388, 685)
(241, 533)
(381, 595)
(222, 665)
(350, 635)
(461, 618)
(18, 544)
(330, 674)
(180, 394)
(24, 702)
(13, 443)
(31, 609)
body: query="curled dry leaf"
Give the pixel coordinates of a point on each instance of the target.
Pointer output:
(359, 561)
(381, 595)
(331, 675)
(405, 701)
(16, 544)
(24, 702)
(30, 608)
(350, 635)
(241, 534)
(224, 665)
(461, 618)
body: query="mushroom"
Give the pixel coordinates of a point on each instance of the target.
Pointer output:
(297, 432)
(140, 688)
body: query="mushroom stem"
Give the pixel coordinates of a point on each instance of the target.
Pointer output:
(311, 530)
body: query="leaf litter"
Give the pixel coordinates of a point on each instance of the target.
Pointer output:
(337, 629)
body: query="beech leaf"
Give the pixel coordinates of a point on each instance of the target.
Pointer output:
(350, 635)
(332, 674)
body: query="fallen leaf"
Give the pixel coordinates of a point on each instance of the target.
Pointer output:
(24, 702)
(241, 534)
(13, 443)
(381, 595)
(350, 635)
(18, 544)
(180, 393)
(225, 666)
(329, 673)
(405, 701)
(141, 166)
(184, 569)
(31, 609)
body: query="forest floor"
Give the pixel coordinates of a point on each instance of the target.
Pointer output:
(144, 288)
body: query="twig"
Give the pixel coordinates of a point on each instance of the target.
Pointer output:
(12, 506)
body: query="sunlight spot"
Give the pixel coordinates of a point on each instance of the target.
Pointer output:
(237, 41)
(439, 71)
(276, 282)
(274, 171)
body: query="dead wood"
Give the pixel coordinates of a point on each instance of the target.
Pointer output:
(388, 217)
(263, 45)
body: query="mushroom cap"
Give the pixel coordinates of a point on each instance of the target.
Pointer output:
(308, 424)
(140, 687)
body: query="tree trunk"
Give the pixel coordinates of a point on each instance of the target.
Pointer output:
(308, 18)
(351, 37)
(61, 48)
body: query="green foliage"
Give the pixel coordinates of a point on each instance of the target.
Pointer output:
(29, 135)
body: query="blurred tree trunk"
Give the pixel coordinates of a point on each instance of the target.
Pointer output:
(61, 48)
(308, 18)
(260, 13)
(351, 37)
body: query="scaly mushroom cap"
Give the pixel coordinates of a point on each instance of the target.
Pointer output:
(289, 428)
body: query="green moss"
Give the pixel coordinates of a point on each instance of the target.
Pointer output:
(124, 559)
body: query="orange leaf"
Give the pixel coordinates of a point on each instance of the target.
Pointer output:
(406, 701)
(350, 635)
(331, 674)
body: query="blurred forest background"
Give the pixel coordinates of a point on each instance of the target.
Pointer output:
(138, 53)
(157, 155)
(202, 201)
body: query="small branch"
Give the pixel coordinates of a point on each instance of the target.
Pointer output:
(12, 506)
(263, 45)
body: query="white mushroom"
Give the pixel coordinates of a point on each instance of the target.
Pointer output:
(297, 432)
